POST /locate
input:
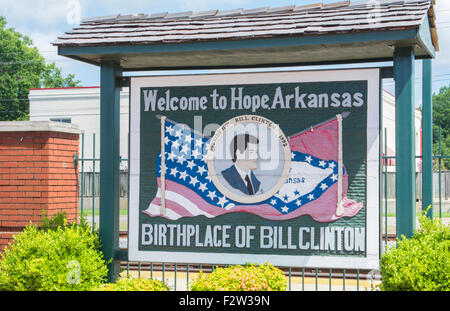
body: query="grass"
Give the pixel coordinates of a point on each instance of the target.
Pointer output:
(88, 212)
(436, 214)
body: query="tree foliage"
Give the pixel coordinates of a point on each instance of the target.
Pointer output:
(441, 118)
(21, 69)
(52, 77)
(441, 110)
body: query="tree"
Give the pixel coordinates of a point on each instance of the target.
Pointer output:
(441, 111)
(52, 77)
(21, 69)
(441, 116)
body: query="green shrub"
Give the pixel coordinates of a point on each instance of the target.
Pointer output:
(134, 284)
(59, 220)
(250, 277)
(65, 258)
(421, 263)
(52, 223)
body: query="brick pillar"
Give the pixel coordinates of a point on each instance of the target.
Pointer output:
(37, 173)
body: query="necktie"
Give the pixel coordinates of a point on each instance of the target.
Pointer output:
(249, 185)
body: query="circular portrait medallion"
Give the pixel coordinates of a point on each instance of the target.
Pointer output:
(248, 159)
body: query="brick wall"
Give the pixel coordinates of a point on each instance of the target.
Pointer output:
(36, 173)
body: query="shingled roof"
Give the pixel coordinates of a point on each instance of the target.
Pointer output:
(262, 23)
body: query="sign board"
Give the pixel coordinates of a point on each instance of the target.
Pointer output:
(279, 167)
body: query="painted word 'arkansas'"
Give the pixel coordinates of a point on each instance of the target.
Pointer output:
(297, 100)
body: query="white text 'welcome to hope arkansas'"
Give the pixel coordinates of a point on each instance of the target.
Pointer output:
(155, 100)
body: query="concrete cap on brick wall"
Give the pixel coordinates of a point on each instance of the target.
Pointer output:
(39, 126)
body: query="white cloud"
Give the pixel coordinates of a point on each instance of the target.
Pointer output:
(42, 14)
(42, 40)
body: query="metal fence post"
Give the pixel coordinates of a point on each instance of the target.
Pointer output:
(109, 165)
(93, 182)
(385, 191)
(405, 145)
(427, 139)
(82, 177)
(440, 172)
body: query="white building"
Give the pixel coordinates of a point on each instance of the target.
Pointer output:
(389, 129)
(81, 106)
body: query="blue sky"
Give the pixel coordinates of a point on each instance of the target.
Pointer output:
(44, 20)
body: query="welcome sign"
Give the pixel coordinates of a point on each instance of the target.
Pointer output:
(276, 166)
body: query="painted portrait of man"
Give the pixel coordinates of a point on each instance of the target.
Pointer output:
(240, 175)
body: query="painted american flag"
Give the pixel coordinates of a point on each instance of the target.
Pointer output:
(310, 189)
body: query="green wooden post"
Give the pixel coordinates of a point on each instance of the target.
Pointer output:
(427, 139)
(109, 164)
(405, 144)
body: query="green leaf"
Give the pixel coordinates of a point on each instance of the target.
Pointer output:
(21, 69)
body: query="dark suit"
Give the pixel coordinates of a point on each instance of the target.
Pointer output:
(235, 180)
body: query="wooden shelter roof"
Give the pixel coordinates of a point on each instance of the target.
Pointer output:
(342, 31)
